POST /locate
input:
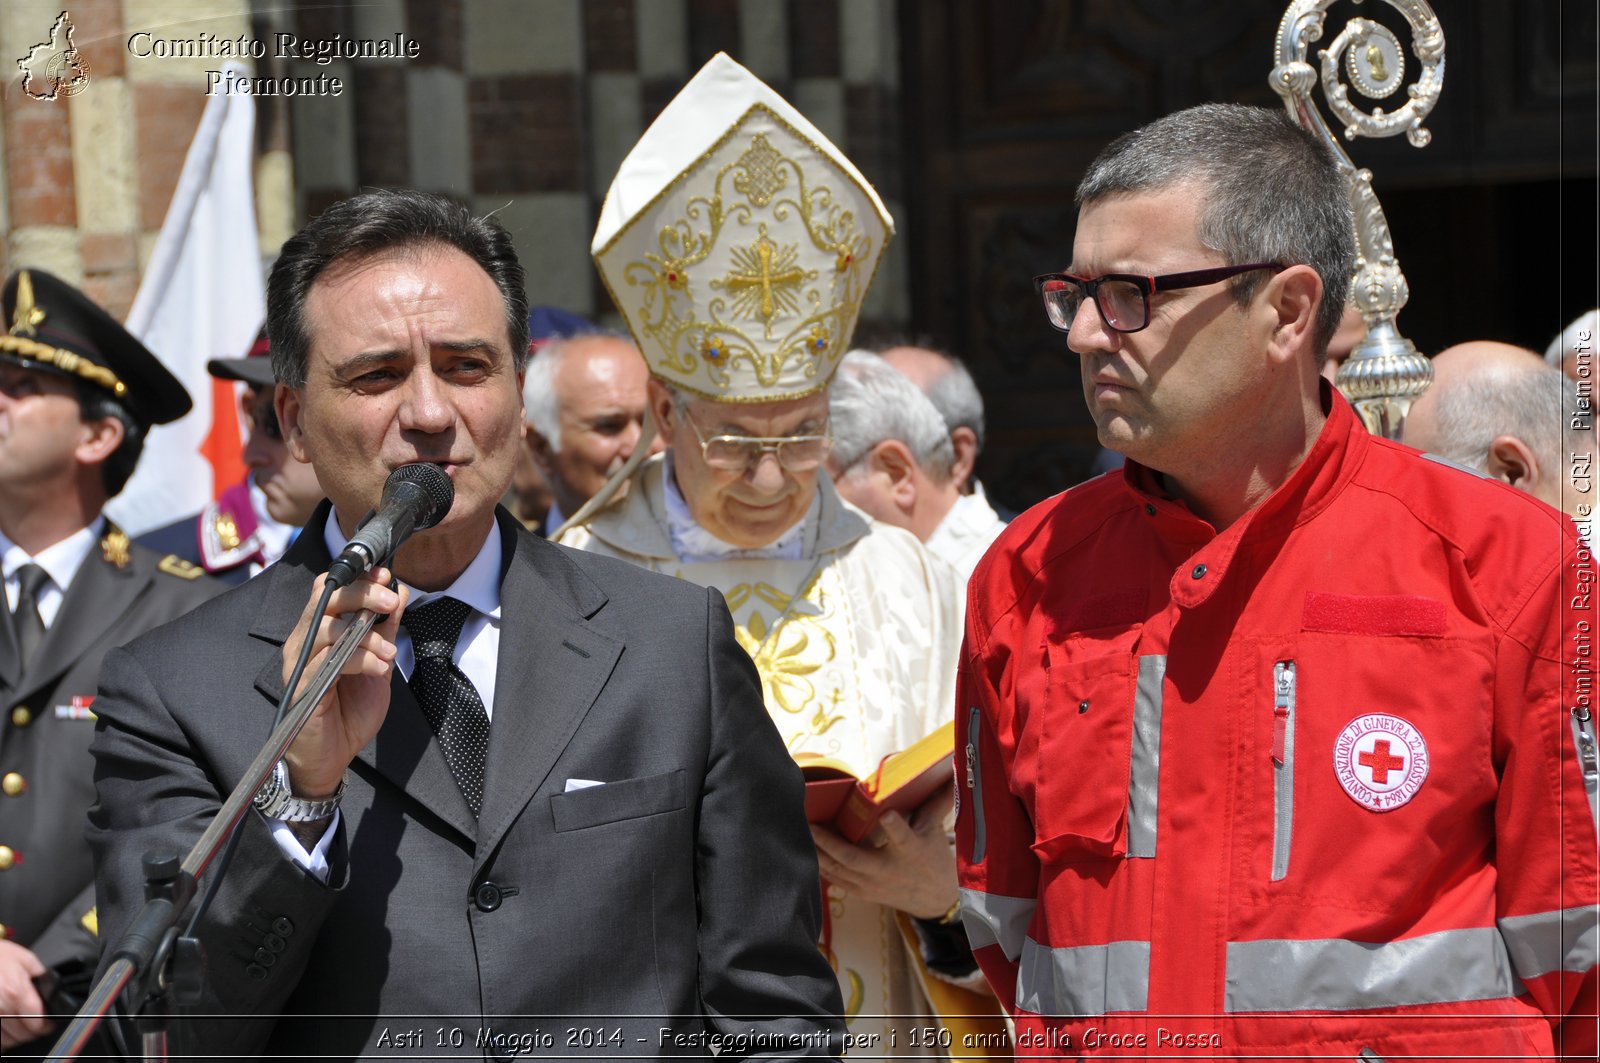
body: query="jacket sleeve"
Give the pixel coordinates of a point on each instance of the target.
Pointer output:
(1545, 825)
(997, 870)
(154, 794)
(756, 873)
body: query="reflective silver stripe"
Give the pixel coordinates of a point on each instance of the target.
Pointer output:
(1337, 975)
(975, 784)
(1144, 776)
(1084, 979)
(993, 919)
(1370, 1056)
(1553, 941)
(1283, 695)
(1583, 744)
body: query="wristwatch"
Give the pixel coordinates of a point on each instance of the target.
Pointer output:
(275, 800)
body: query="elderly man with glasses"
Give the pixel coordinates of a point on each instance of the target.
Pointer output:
(1228, 783)
(851, 623)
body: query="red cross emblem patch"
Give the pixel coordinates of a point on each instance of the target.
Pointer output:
(1381, 761)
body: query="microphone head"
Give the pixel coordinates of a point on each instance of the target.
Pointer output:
(432, 485)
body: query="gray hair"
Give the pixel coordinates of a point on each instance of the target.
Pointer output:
(1576, 339)
(540, 404)
(955, 395)
(1532, 404)
(871, 401)
(1275, 193)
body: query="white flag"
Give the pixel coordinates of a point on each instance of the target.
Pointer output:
(202, 297)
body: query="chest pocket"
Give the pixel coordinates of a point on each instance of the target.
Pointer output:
(1084, 794)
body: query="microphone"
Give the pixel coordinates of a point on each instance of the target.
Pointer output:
(415, 498)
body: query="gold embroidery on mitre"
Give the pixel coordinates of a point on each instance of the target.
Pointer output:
(692, 330)
(114, 548)
(26, 317)
(765, 280)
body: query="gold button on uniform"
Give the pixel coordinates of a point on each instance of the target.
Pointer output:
(8, 857)
(21, 716)
(5, 931)
(13, 784)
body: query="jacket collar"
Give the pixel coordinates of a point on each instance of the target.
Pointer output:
(1328, 467)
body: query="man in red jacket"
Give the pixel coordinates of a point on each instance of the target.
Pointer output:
(1278, 742)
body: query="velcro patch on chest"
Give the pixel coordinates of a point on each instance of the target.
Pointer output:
(1376, 614)
(1381, 761)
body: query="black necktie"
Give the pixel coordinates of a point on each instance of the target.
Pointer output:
(25, 619)
(447, 697)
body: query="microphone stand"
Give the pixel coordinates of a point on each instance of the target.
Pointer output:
(147, 947)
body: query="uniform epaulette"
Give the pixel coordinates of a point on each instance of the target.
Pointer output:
(173, 565)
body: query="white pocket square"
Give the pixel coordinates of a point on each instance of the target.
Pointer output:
(581, 784)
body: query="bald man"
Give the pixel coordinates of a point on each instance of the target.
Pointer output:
(1501, 410)
(585, 402)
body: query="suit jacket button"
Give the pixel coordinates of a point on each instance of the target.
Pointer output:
(21, 716)
(282, 927)
(487, 898)
(274, 943)
(9, 858)
(13, 784)
(256, 971)
(265, 958)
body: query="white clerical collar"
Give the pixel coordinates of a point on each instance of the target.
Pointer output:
(275, 535)
(478, 586)
(60, 561)
(692, 543)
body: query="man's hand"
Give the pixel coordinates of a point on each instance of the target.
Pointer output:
(914, 869)
(20, 1006)
(354, 707)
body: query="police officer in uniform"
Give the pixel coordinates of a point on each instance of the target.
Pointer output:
(77, 395)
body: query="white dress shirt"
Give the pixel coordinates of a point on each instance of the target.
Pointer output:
(60, 562)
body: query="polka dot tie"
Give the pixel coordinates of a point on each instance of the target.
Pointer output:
(447, 697)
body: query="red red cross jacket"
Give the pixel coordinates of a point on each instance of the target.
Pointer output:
(1321, 785)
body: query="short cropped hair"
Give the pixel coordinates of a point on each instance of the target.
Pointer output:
(370, 224)
(94, 404)
(1275, 193)
(871, 401)
(1532, 403)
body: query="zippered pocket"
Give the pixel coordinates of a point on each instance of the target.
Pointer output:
(1283, 698)
(1583, 742)
(975, 786)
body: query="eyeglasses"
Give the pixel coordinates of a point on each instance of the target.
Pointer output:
(1123, 299)
(738, 453)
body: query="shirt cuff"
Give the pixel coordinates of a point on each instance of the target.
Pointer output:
(315, 862)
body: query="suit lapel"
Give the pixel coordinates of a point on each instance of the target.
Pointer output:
(91, 610)
(552, 665)
(405, 751)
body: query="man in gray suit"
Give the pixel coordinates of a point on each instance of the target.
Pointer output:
(543, 810)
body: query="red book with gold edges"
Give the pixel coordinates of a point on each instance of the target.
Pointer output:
(902, 782)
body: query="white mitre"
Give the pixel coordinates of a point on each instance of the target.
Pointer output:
(739, 243)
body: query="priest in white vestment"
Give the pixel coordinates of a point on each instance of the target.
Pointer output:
(739, 244)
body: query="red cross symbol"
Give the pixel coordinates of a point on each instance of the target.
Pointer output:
(1381, 762)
